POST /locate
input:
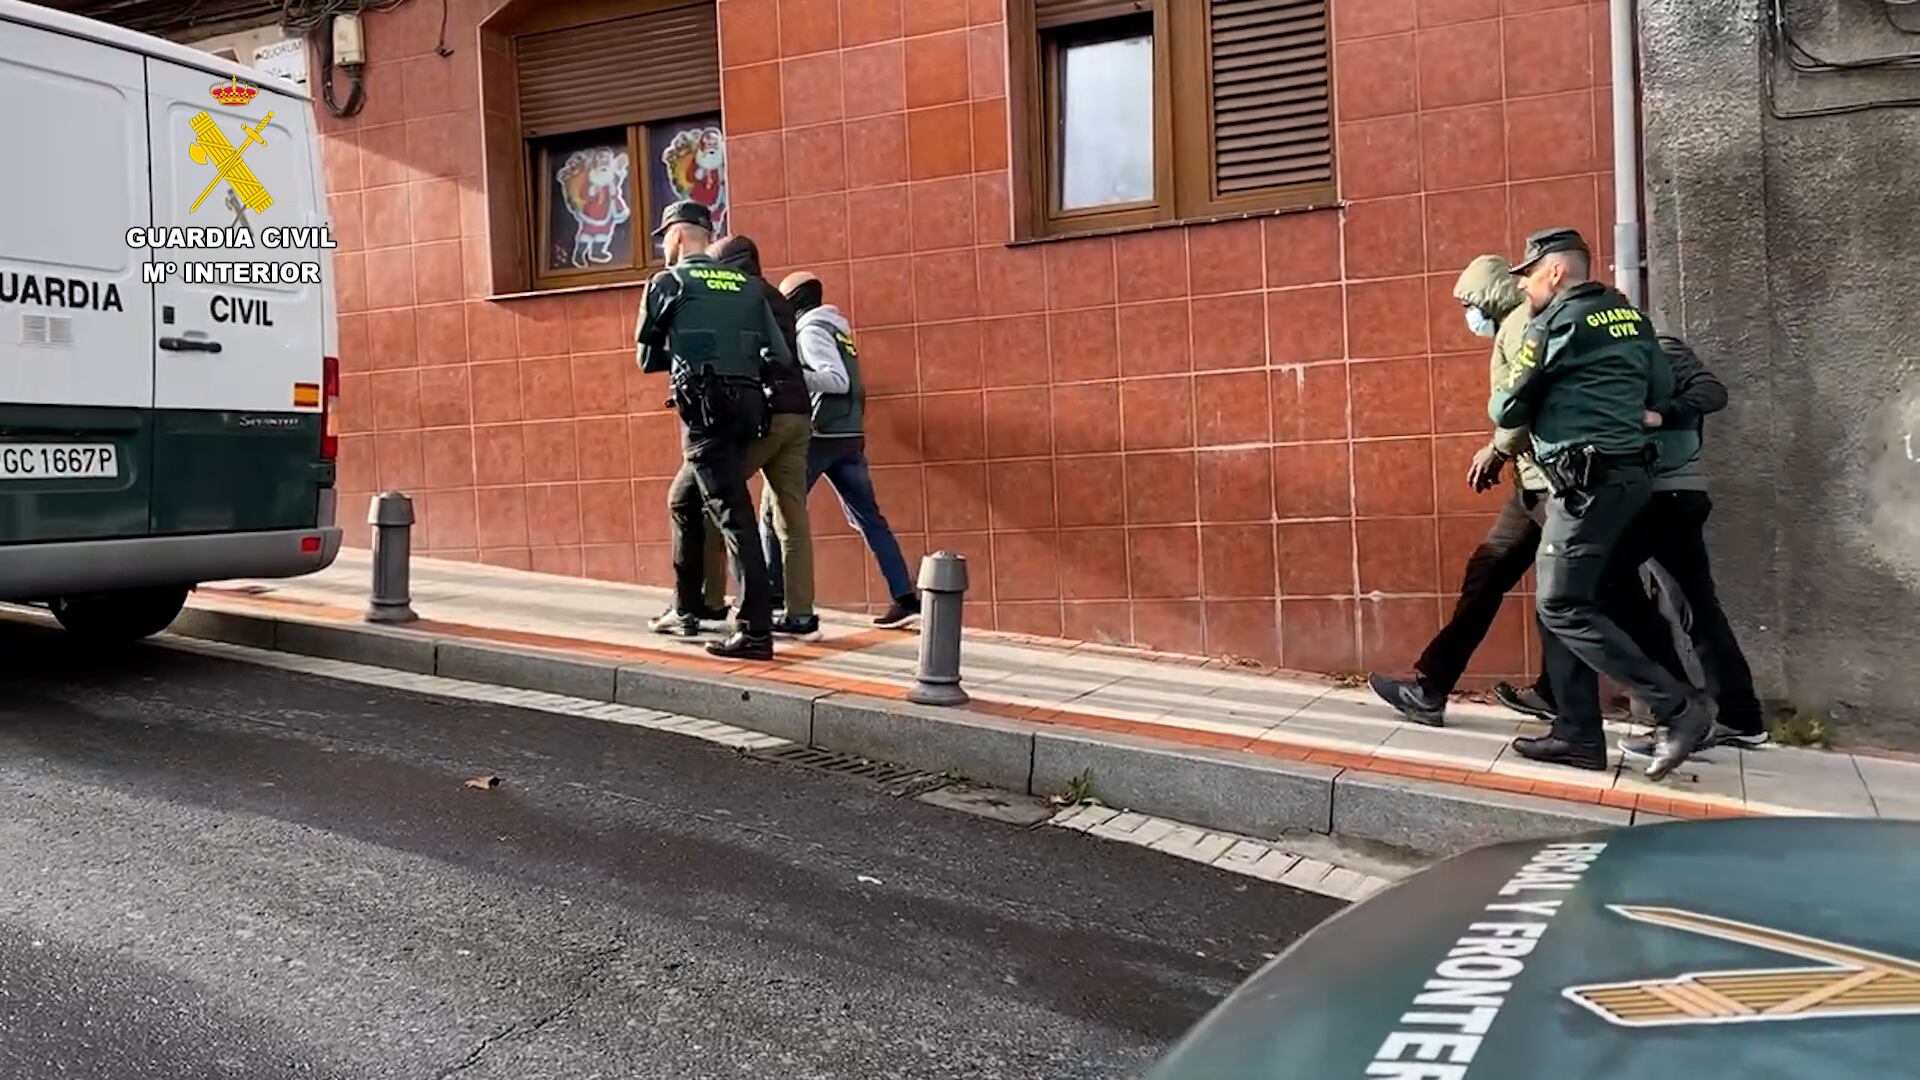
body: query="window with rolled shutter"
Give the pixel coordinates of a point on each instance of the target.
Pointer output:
(1050, 14)
(619, 116)
(653, 66)
(1240, 117)
(1272, 110)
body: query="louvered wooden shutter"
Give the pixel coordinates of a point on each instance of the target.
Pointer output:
(656, 66)
(1272, 116)
(1048, 14)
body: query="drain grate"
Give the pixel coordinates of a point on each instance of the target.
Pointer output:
(901, 779)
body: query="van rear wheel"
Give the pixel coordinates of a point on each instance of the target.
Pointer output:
(120, 616)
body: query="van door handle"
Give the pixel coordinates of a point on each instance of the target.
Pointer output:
(180, 344)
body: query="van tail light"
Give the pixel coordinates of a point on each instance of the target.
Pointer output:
(330, 409)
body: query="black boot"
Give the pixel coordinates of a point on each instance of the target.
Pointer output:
(1554, 750)
(1412, 701)
(743, 646)
(1682, 736)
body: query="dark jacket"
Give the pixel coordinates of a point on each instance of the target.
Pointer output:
(1697, 393)
(786, 386)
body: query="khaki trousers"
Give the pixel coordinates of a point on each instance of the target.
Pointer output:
(782, 457)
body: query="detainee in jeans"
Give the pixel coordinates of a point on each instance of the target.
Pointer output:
(844, 463)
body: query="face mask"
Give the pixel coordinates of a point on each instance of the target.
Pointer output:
(1479, 323)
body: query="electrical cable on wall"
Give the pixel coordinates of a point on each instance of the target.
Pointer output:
(334, 26)
(1780, 40)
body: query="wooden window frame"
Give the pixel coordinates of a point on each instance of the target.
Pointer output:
(1184, 130)
(535, 173)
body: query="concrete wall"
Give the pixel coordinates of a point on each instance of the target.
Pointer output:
(1786, 251)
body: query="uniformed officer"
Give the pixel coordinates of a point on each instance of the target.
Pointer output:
(1588, 372)
(710, 328)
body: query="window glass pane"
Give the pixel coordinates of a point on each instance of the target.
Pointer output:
(1106, 122)
(590, 203)
(689, 161)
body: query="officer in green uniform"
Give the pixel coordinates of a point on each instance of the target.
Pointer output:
(709, 327)
(1588, 371)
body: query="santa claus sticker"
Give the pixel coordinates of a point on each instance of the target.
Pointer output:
(696, 164)
(594, 183)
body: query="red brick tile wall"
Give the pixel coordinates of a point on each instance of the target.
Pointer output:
(1245, 438)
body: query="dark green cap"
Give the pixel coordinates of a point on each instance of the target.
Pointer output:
(1546, 242)
(685, 212)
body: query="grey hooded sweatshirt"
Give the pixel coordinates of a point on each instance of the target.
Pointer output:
(832, 368)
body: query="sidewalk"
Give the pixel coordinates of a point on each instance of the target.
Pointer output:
(1259, 754)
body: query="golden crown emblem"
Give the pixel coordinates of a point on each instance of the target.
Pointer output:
(234, 92)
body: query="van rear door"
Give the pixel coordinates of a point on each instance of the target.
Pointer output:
(237, 364)
(76, 317)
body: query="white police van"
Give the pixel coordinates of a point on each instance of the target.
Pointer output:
(156, 433)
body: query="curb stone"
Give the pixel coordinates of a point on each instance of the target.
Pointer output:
(779, 709)
(998, 752)
(1432, 817)
(1243, 794)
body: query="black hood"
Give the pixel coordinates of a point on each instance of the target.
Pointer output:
(739, 252)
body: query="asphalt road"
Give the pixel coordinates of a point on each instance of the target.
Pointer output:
(209, 869)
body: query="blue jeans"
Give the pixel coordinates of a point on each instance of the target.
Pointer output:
(844, 463)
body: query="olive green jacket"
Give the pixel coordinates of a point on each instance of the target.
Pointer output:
(1487, 284)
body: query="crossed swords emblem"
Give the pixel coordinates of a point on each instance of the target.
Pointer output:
(245, 192)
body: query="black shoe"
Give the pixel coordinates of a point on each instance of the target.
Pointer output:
(675, 624)
(1744, 740)
(904, 612)
(1683, 735)
(1553, 750)
(1411, 701)
(803, 627)
(743, 646)
(711, 614)
(779, 603)
(1527, 701)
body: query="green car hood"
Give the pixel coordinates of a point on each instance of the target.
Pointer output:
(1782, 948)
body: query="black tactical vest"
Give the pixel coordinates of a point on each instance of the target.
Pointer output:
(718, 322)
(843, 415)
(1600, 393)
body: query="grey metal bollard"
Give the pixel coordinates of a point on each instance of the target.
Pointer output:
(943, 586)
(391, 515)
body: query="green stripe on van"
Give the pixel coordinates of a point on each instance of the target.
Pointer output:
(180, 471)
(216, 471)
(48, 507)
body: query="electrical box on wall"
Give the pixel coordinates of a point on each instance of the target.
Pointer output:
(349, 47)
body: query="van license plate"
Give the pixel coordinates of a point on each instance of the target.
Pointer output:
(58, 461)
